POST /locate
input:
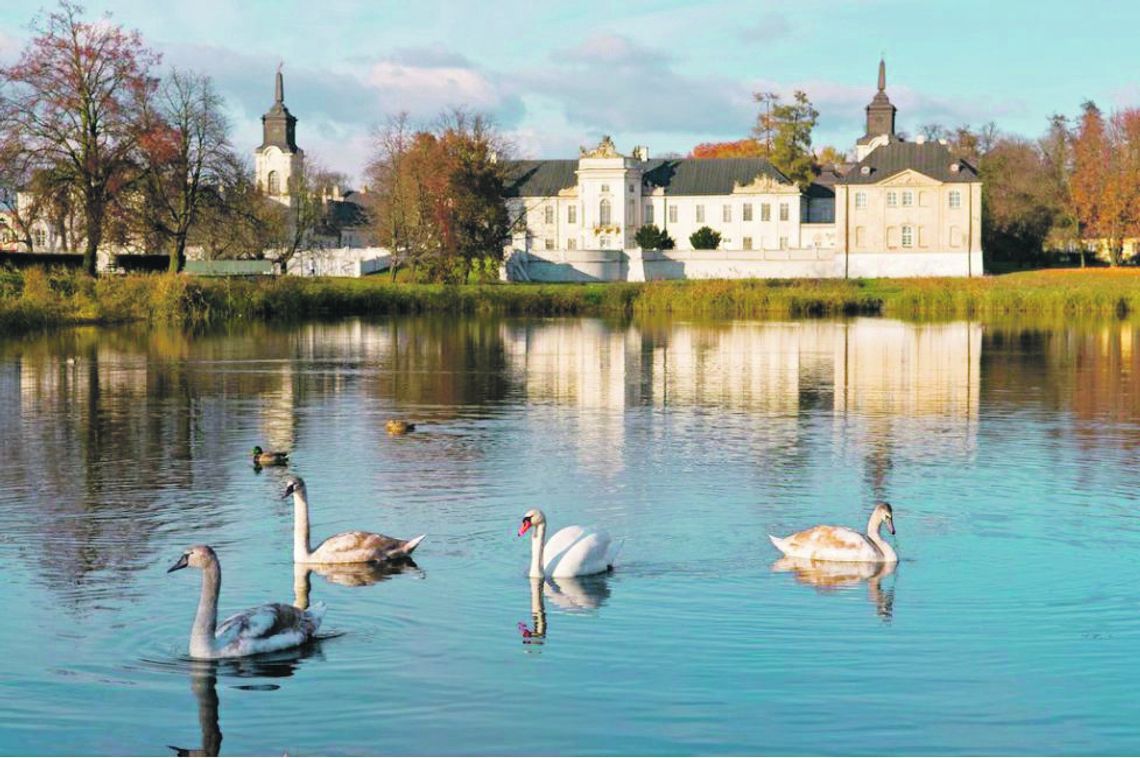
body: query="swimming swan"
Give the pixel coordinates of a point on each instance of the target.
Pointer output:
(572, 551)
(837, 543)
(263, 629)
(346, 547)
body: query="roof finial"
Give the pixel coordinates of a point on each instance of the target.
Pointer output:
(882, 74)
(279, 95)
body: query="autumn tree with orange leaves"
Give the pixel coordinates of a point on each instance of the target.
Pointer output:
(1106, 177)
(438, 195)
(74, 102)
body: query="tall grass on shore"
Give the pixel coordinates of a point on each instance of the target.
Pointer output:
(34, 298)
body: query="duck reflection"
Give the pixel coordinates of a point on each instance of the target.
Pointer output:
(204, 684)
(826, 576)
(347, 574)
(571, 594)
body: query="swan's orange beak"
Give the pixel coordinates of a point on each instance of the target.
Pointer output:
(524, 527)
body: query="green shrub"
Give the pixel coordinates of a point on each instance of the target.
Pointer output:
(649, 237)
(704, 239)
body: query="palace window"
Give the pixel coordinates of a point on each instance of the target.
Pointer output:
(860, 200)
(604, 212)
(39, 238)
(631, 188)
(726, 213)
(783, 211)
(549, 214)
(907, 236)
(892, 200)
(571, 244)
(747, 213)
(549, 243)
(700, 214)
(860, 236)
(765, 212)
(747, 243)
(274, 183)
(649, 213)
(571, 214)
(605, 188)
(672, 214)
(783, 243)
(604, 243)
(907, 198)
(955, 199)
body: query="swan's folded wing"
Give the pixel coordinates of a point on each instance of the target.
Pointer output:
(263, 621)
(835, 542)
(351, 542)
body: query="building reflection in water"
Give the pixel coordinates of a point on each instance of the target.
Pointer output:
(870, 371)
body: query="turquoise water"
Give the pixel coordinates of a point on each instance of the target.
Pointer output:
(1009, 453)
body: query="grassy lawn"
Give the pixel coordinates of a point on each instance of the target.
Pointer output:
(34, 298)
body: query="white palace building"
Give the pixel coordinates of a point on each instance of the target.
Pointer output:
(902, 209)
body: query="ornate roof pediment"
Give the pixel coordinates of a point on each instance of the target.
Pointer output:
(605, 149)
(764, 184)
(910, 178)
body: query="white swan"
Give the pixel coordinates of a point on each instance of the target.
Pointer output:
(837, 543)
(263, 629)
(572, 551)
(346, 547)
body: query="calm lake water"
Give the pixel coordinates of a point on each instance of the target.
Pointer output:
(1010, 453)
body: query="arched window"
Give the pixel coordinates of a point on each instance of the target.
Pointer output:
(604, 213)
(274, 183)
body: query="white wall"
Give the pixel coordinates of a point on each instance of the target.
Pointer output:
(637, 266)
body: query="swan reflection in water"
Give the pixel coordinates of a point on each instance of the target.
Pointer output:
(204, 684)
(346, 574)
(571, 594)
(833, 575)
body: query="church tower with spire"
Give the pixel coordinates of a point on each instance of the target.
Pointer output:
(278, 159)
(880, 119)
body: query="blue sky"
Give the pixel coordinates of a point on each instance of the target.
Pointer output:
(558, 75)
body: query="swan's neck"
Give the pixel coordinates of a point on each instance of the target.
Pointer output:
(884, 547)
(206, 620)
(537, 543)
(301, 550)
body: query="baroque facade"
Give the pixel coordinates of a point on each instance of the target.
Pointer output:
(902, 209)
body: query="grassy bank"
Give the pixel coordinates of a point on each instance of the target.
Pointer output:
(34, 299)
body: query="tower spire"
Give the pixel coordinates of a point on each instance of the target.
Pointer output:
(279, 93)
(882, 75)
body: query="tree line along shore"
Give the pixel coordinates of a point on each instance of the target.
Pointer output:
(35, 299)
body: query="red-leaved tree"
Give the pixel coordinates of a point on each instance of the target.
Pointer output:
(74, 102)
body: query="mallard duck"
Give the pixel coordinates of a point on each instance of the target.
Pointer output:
(838, 543)
(262, 458)
(399, 426)
(346, 547)
(264, 629)
(572, 551)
